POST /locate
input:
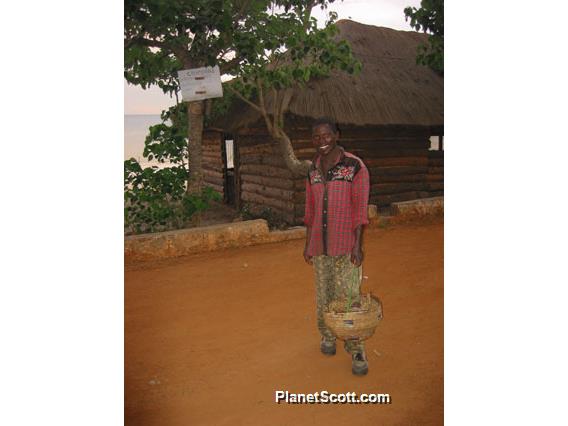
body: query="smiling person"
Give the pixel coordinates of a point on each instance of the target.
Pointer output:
(337, 196)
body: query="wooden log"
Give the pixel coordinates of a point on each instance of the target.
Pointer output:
(385, 143)
(372, 153)
(436, 162)
(436, 154)
(269, 160)
(434, 186)
(385, 200)
(208, 141)
(213, 159)
(213, 174)
(273, 182)
(300, 184)
(267, 191)
(359, 132)
(400, 161)
(299, 197)
(435, 170)
(217, 188)
(397, 170)
(261, 210)
(253, 131)
(267, 171)
(397, 188)
(394, 153)
(212, 168)
(434, 178)
(399, 178)
(267, 201)
(212, 151)
(257, 149)
(214, 179)
(248, 141)
(208, 165)
(371, 144)
(213, 144)
(305, 156)
(305, 150)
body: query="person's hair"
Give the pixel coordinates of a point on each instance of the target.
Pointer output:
(326, 120)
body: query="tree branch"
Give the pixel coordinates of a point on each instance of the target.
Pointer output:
(309, 8)
(263, 106)
(143, 42)
(284, 104)
(275, 109)
(241, 97)
(227, 66)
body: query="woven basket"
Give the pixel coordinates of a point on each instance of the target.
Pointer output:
(359, 323)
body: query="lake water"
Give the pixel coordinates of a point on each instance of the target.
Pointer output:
(135, 132)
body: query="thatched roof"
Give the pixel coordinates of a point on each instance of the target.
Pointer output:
(390, 90)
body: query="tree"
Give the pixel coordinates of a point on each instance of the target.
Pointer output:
(162, 37)
(283, 50)
(267, 45)
(429, 18)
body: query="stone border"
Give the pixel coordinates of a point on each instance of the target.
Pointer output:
(418, 208)
(182, 242)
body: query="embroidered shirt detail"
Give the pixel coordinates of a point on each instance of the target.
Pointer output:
(345, 170)
(315, 176)
(343, 173)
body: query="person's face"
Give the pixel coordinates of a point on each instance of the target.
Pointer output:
(324, 139)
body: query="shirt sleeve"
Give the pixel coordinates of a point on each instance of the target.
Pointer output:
(360, 197)
(309, 210)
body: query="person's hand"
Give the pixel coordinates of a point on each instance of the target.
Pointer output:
(308, 258)
(357, 256)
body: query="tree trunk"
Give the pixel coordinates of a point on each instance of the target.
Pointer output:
(297, 167)
(195, 134)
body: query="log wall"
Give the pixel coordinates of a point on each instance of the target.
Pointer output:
(435, 177)
(400, 164)
(212, 160)
(265, 181)
(398, 160)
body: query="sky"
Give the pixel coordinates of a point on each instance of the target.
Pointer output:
(384, 13)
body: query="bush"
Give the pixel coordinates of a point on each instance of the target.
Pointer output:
(273, 219)
(155, 199)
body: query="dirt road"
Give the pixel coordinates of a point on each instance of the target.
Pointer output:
(210, 338)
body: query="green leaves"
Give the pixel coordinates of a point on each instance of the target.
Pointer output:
(429, 19)
(167, 142)
(155, 199)
(290, 49)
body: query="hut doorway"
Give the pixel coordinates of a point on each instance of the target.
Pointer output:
(227, 149)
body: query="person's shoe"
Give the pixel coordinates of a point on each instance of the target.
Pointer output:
(327, 347)
(359, 365)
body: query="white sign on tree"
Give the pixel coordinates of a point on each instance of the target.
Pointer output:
(200, 83)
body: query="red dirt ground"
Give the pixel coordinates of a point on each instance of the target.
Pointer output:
(209, 338)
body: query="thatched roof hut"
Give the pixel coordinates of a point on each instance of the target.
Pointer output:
(390, 90)
(386, 114)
